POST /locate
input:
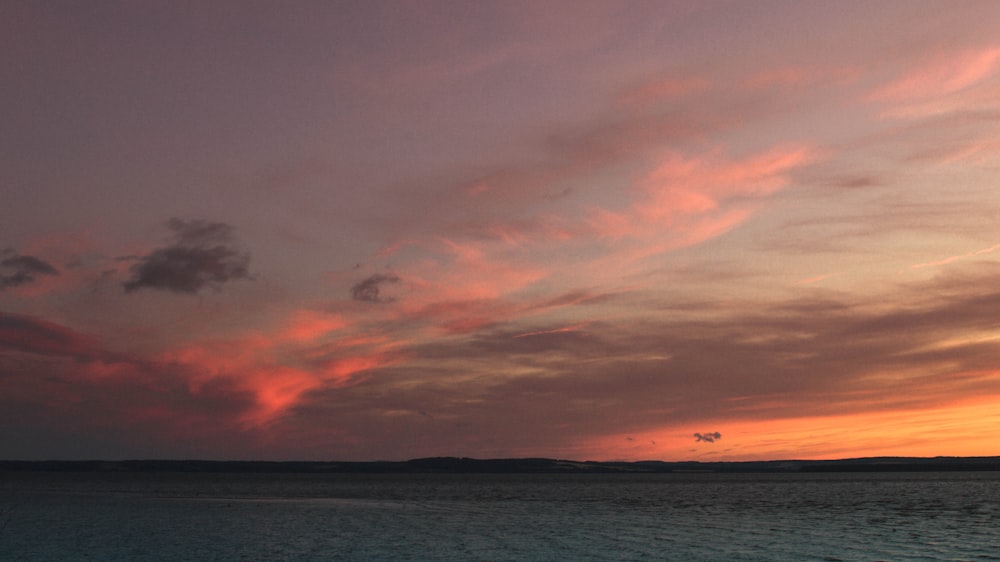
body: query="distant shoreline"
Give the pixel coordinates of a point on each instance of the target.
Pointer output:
(461, 465)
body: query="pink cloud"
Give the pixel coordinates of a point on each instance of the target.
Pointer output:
(272, 377)
(279, 368)
(462, 275)
(950, 259)
(499, 272)
(306, 326)
(942, 75)
(684, 201)
(928, 89)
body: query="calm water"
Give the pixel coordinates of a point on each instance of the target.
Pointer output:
(924, 516)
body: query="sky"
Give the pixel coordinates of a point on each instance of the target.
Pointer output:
(583, 230)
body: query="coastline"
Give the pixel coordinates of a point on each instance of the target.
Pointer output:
(463, 465)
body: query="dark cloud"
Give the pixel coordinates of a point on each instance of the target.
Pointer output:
(74, 397)
(708, 437)
(858, 181)
(16, 269)
(202, 254)
(369, 290)
(577, 297)
(33, 335)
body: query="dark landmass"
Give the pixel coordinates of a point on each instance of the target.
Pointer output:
(456, 465)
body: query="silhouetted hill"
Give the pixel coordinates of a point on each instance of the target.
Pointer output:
(457, 465)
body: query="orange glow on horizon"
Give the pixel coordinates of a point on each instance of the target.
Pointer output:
(961, 429)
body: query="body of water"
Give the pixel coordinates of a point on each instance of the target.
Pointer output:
(831, 516)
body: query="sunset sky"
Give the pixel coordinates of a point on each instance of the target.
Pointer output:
(586, 230)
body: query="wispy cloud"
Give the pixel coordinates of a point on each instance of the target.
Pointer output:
(951, 259)
(28, 334)
(17, 269)
(944, 74)
(369, 289)
(932, 88)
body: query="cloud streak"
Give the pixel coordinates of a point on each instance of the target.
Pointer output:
(28, 334)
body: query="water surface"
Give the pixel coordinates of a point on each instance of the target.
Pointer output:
(832, 516)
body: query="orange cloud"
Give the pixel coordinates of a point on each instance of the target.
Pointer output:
(279, 369)
(277, 389)
(307, 326)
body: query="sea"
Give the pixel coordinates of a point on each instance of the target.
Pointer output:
(395, 517)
